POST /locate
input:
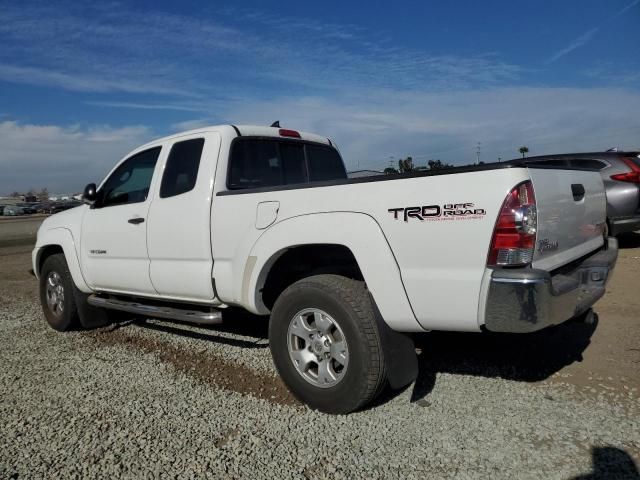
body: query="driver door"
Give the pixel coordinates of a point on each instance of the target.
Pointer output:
(114, 230)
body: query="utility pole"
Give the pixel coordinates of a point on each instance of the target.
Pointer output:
(478, 154)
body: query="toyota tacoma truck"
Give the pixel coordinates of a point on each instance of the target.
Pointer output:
(265, 218)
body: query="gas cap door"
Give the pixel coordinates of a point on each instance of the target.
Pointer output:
(266, 214)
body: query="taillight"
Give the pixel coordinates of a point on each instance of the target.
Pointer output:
(633, 176)
(289, 133)
(514, 237)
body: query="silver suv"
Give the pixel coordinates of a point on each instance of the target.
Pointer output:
(621, 175)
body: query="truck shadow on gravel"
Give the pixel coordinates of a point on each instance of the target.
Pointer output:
(629, 240)
(611, 462)
(525, 358)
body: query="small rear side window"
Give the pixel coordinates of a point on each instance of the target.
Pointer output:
(181, 170)
(324, 164)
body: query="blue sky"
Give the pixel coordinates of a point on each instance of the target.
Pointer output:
(81, 84)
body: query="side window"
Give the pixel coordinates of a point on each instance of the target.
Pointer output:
(324, 164)
(181, 170)
(130, 182)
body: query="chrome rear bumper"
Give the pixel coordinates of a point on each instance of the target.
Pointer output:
(521, 301)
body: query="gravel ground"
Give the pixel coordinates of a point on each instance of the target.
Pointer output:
(150, 399)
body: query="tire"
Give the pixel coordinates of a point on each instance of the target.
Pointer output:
(55, 280)
(357, 372)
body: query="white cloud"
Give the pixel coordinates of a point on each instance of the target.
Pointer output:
(181, 107)
(374, 126)
(103, 49)
(627, 8)
(190, 125)
(61, 158)
(577, 43)
(369, 128)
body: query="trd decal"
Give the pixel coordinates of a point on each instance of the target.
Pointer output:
(448, 211)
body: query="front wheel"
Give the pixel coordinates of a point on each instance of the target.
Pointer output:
(326, 345)
(56, 294)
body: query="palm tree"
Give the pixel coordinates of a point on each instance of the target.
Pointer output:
(523, 150)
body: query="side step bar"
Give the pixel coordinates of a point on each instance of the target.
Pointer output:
(155, 311)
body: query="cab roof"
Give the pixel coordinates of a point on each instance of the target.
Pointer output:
(250, 131)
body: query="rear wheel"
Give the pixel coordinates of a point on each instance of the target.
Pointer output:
(56, 294)
(326, 345)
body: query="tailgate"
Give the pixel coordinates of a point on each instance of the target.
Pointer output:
(571, 206)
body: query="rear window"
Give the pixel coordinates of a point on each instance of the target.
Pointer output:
(256, 163)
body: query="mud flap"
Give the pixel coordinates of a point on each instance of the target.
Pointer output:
(90, 316)
(400, 354)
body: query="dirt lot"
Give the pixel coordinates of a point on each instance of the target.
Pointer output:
(153, 399)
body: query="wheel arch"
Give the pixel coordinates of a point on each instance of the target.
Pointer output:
(353, 236)
(59, 240)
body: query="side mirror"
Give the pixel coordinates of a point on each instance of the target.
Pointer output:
(89, 196)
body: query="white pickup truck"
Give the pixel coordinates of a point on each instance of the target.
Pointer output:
(265, 218)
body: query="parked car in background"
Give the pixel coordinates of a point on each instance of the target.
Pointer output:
(620, 173)
(12, 211)
(28, 208)
(2, 209)
(56, 207)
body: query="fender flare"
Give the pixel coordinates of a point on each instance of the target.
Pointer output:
(358, 232)
(63, 238)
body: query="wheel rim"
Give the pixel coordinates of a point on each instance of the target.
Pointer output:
(317, 347)
(55, 293)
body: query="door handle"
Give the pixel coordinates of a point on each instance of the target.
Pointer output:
(577, 189)
(136, 220)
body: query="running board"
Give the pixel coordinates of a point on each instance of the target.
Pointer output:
(184, 315)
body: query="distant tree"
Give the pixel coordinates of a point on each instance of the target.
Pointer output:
(523, 150)
(390, 171)
(438, 164)
(43, 196)
(405, 165)
(15, 194)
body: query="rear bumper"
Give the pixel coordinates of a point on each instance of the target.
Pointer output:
(521, 301)
(624, 225)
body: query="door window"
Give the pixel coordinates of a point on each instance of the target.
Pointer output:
(130, 182)
(181, 171)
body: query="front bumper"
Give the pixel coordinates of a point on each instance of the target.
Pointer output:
(521, 301)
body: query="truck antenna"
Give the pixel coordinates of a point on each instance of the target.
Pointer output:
(276, 124)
